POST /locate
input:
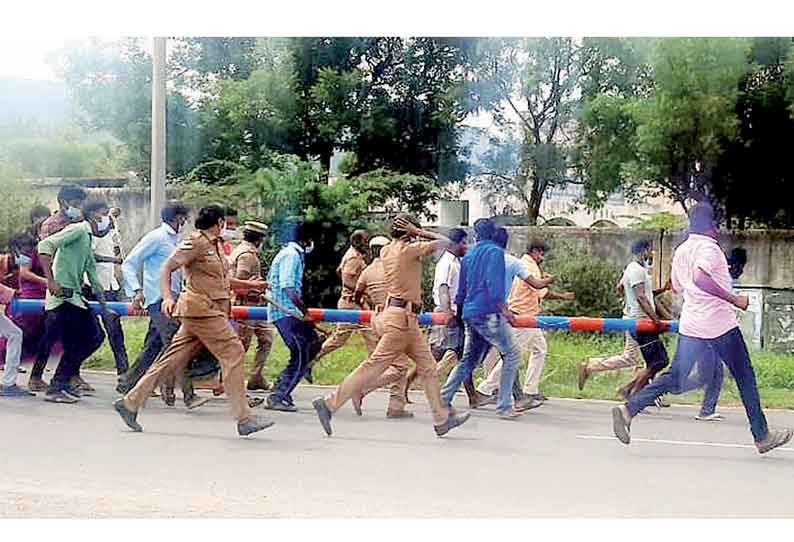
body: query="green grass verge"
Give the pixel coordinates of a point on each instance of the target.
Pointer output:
(774, 372)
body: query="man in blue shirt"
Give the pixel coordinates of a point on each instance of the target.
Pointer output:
(481, 295)
(149, 254)
(287, 312)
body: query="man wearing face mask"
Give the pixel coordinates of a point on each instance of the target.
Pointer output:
(353, 263)
(105, 252)
(70, 202)
(77, 326)
(150, 254)
(231, 235)
(637, 289)
(203, 309)
(287, 314)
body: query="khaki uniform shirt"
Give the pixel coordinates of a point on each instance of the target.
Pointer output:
(353, 263)
(373, 281)
(245, 265)
(402, 267)
(206, 291)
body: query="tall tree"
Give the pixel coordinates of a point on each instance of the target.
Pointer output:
(666, 138)
(529, 87)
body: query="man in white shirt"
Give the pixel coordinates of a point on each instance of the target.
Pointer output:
(446, 341)
(107, 250)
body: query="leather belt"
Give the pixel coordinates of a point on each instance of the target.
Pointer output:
(402, 303)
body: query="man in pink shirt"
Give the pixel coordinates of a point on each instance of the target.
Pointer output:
(708, 334)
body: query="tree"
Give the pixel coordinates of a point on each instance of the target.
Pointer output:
(529, 86)
(756, 166)
(666, 139)
(111, 85)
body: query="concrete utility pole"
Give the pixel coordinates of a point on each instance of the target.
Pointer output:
(158, 131)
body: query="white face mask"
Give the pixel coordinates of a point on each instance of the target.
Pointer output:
(309, 249)
(73, 213)
(103, 225)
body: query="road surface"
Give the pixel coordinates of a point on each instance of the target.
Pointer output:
(557, 461)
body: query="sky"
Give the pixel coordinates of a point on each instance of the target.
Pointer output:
(27, 59)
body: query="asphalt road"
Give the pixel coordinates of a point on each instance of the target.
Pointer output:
(557, 461)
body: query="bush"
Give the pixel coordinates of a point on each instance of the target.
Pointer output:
(15, 206)
(592, 279)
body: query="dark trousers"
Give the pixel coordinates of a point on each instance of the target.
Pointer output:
(694, 365)
(115, 334)
(50, 334)
(81, 337)
(161, 330)
(304, 344)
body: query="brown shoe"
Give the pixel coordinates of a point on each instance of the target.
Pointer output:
(511, 414)
(81, 384)
(482, 400)
(218, 391)
(195, 402)
(584, 374)
(399, 414)
(527, 403)
(774, 439)
(37, 384)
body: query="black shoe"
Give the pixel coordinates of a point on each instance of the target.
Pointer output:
(122, 388)
(252, 425)
(452, 422)
(273, 404)
(324, 413)
(129, 417)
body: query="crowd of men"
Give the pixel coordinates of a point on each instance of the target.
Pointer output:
(187, 284)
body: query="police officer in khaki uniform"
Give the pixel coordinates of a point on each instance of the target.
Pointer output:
(353, 263)
(371, 292)
(245, 265)
(398, 327)
(203, 309)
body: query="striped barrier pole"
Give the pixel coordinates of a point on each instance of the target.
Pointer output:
(557, 323)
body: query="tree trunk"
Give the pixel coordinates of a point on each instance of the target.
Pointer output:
(535, 199)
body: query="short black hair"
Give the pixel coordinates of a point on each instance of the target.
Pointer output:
(640, 246)
(22, 241)
(538, 245)
(701, 218)
(173, 210)
(398, 233)
(501, 237)
(71, 192)
(93, 205)
(252, 236)
(457, 235)
(738, 256)
(209, 216)
(231, 211)
(38, 212)
(358, 236)
(296, 231)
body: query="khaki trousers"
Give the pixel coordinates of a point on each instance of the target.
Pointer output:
(631, 357)
(264, 333)
(400, 335)
(529, 340)
(219, 337)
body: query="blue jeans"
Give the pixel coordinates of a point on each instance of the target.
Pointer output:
(303, 343)
(482, 333)
(704, 355)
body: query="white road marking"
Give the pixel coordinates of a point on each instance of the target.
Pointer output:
(680, 442)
